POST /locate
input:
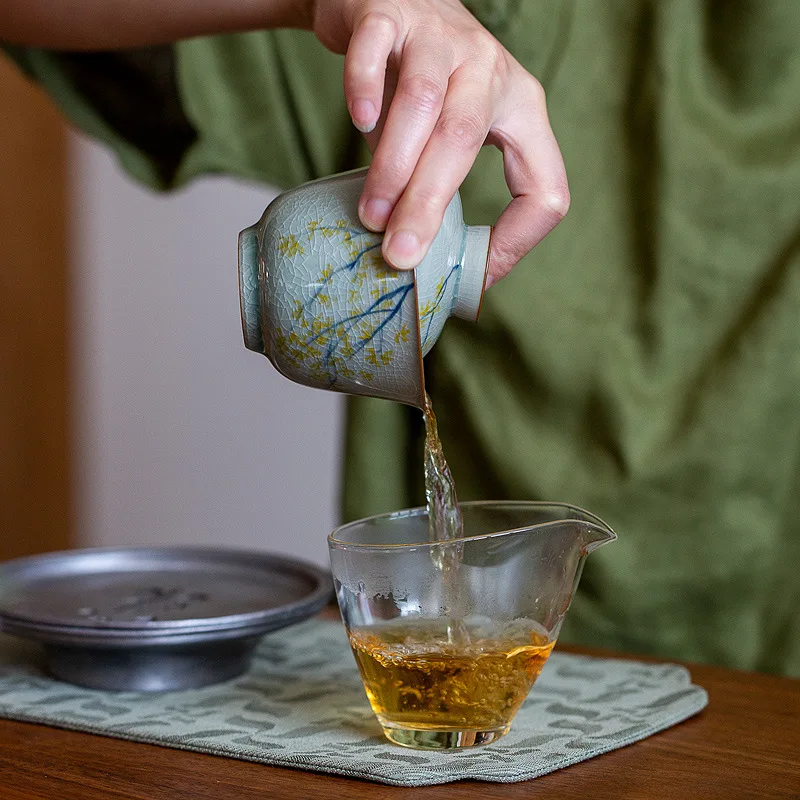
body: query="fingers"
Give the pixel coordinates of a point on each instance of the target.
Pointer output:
(448, 156)
(454, 92)
(536, 177)
(421, 87)
(365, 68)
(389, 87)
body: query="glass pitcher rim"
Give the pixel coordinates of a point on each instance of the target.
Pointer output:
(589, 519)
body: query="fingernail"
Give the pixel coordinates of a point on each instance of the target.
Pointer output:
(364, 115)
(375, 214)
(403, 250)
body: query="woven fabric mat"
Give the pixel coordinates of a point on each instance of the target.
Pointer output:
(302, 705)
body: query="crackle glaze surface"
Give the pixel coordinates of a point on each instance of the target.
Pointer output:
(326, 308)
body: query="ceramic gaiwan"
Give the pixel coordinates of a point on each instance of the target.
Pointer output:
(320, 302)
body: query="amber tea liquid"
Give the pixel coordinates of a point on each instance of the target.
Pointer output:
(416, 679)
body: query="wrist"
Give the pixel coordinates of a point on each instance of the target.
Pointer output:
(290, 14)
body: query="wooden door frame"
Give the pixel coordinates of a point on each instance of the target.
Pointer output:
(35, 480)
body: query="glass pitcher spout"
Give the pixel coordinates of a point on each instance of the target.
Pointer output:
(594, 535)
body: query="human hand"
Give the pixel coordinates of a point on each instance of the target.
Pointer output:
(430, 86)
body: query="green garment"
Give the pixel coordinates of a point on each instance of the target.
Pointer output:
(644, 361)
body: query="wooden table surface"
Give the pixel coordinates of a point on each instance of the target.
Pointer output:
(746, 744)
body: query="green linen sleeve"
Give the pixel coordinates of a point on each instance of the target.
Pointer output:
(51, 70)
(266, 106)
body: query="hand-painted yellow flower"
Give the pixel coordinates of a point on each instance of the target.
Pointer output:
(290, 246)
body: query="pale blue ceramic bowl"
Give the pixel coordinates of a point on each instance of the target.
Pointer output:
(320, 302)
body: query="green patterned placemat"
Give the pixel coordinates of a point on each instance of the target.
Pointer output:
(302, 705)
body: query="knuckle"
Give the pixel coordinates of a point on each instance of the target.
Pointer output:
(501, 67)
(462, 129)
(480, 40)
(379, 24)
(387, 177)
(536, 91)
(487, 49)
(422, 93)
(555, 203)
(354, 71)
(493, 51)
(428, 206)
(489, 62)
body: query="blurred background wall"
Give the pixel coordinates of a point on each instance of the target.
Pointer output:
(178, 434)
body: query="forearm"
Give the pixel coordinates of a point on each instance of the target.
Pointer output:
(111, 24)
